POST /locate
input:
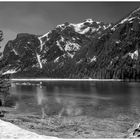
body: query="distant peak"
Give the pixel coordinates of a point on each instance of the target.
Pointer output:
(88, 20)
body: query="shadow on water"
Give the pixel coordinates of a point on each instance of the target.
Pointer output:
(98, 99)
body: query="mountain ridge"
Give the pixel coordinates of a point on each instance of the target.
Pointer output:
(89, 49)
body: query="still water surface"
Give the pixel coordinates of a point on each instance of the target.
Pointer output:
(92, 99)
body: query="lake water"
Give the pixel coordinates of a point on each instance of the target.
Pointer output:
(86, 98)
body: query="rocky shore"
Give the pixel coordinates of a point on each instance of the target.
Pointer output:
(64, 126)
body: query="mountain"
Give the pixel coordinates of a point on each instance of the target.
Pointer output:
(115, 53)
(85, 50)
(32, 55)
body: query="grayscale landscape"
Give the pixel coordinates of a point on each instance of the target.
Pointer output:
(70, 69)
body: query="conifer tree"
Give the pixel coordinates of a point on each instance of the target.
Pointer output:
(4, 79)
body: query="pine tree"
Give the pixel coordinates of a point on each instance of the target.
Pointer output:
(4, 80)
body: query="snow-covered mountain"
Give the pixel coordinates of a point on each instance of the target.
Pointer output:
(85, 50)
(55, 47)
(116, 53)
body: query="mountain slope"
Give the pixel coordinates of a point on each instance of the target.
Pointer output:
(45, 55)
(116, 52)
(85, 50)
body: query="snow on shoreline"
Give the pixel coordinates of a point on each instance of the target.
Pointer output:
(9, 130)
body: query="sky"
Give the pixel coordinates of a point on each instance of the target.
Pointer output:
(40, 17)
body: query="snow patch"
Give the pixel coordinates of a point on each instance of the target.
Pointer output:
(134, 55)
(40, 39)
(136, 10)
(93, 59)
(124, 20)
(62, 39)
(39, 61)
(79, 61)
(93, 30)
(77, 27)
(70, 46)
(85, 30)
(98, 22)
(10, 72)
(60, 26)
(28, 42)
(70, 55)
(129, 18)
(44, 61)
(118, 41)
(89, 20)
(73, 39)
(56, 60)
(58, 44)
(111, 62)
(15, 51)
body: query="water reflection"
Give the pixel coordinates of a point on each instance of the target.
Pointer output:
(98, 99)
(56, 103)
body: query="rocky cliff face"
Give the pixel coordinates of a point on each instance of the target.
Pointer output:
(85, 50)
(115, 54)
(46, 55)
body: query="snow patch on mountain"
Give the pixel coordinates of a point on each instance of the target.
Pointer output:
(70, 55)
(40, 39)
(10, 71)
(129, 18)
(15, 51)
(70, 46)
(85, 30)
(77, 27)
(138, 9)
(81, 60)
(89, 20)
(118, 41)
(62, 39)
(134, 55)
(58, 44)
(39, 61)
(82, 28)
(93, 59)
(56, 60)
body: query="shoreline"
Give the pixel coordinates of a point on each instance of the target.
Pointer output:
(70, 126)
(12, 131)
(49, 79)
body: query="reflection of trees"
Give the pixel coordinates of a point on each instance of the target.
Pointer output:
(76, 86)
(24, 97)
(4, 90)
(120, 99)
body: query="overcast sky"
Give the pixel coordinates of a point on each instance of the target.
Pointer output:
(40, 17)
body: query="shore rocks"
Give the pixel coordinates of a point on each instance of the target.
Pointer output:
(134, 132)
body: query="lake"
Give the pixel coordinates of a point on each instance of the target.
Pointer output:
(68, 98)
(75, 109)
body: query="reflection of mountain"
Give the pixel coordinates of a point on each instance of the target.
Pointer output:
(99, 99)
